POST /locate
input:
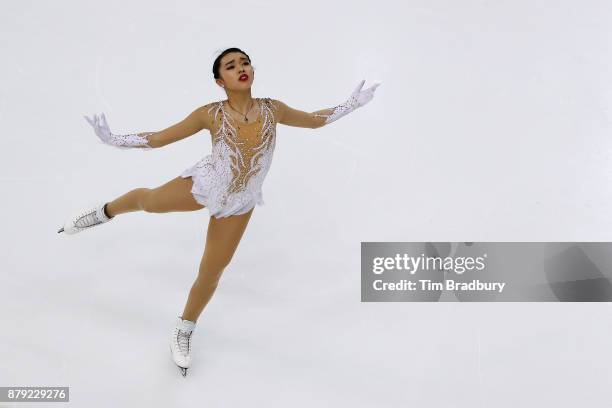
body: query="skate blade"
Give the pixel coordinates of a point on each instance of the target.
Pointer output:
(182, 369)
(60, 230)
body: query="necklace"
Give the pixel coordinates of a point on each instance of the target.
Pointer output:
(245, 114)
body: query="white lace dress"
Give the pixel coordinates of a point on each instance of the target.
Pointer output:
(229, 181)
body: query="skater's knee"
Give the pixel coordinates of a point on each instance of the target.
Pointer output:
(149, 203)
(216, 262)
(208, 282)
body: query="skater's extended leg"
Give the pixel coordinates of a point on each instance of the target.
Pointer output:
(175, 195)
(222, 239)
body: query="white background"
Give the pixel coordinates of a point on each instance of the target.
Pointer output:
(492, 123)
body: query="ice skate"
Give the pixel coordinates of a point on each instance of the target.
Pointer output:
(85, 219)
(180, 344)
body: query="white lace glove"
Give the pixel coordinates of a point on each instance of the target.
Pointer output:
(121, 141)
(357, 99)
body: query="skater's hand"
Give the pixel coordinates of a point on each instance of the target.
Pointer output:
(121, 141)
(357, 99)
(361, 97)
(101, 128)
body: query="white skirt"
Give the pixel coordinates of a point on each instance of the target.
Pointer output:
(211, 191)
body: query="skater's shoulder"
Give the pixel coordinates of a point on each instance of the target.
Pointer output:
(271, 101)
(274, 104)
(208, 112)
(211, 106)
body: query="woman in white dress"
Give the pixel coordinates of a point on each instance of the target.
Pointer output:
(227, 182)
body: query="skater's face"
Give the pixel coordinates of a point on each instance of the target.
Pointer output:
(232, 67)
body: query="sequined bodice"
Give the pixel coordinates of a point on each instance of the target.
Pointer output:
(242, 152)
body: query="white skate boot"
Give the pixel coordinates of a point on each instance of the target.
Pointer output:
(180, 343)
(86, 219)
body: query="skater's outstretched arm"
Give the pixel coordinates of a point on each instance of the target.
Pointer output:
(293, 117)
(193, 123)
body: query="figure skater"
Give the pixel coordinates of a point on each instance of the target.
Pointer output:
(228, 182)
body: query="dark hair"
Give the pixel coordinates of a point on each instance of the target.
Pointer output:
(217, 62)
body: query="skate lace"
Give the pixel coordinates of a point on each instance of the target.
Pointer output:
(184, 342)
(87, 220)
